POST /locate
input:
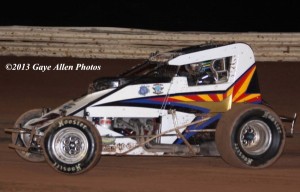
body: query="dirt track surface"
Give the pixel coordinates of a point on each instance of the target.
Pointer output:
(24, 90)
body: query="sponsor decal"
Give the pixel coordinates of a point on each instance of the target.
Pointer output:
(109, 148)
(61, 123)
(269, 116)
(144, 90)
(241, 155)
(158, 88)
(118, 146)
(108, 140)
(74, 168)
(130, 145)
(68, 106)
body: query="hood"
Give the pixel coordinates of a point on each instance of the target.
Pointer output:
(115, 82)
(107, 83)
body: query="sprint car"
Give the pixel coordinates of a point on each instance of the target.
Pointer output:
(197, 101)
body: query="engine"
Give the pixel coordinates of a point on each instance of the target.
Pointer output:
(142, 129)
(130, 127)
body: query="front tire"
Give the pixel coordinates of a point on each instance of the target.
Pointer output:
(250, 136)
(72, 145)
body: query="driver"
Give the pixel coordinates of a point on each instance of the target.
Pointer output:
(200, 73)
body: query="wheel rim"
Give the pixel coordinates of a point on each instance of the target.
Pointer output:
(255, 137)
(70, 145)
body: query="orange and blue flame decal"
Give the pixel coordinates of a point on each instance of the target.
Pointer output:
(214, 97)
(240, 88)
(238, 92)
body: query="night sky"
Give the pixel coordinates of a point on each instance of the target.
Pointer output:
(197, 15)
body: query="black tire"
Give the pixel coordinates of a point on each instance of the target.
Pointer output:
(23, 140)
(72, 145)
(250, 136)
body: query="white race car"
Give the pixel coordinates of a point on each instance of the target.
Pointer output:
(197, 101)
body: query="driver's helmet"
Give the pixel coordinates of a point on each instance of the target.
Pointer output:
(193, 68)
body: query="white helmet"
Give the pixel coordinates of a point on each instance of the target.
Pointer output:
(194, 67)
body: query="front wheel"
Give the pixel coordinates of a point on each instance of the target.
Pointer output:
(72, 145)
(250, 136)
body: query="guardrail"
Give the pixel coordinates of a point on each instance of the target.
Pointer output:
(124, 43)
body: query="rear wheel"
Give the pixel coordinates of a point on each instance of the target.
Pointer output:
(72, 145)
(23, 139)
(250, 136)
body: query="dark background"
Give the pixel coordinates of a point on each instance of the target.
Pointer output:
(209, 15)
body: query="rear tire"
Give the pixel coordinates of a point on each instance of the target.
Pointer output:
(250, 136)
(72, 145)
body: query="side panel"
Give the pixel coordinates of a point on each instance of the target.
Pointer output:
(122, 111)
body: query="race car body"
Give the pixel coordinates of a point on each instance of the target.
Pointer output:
(201, 100)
